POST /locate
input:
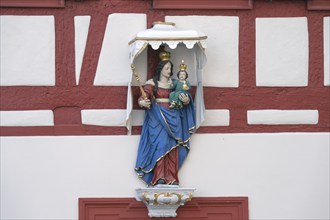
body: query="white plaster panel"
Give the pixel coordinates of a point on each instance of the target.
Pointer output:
(27, 50)
(281, 52)
(288, 170)
(277, 117)
(27, 118)
(43, 177)
(222, 46)
(113, 67)
(326, 45)
(104, 117)
(110, 117)
(81, 27)
(220, 117)
(117, 117)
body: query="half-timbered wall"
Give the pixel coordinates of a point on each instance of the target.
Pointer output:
(64, 75)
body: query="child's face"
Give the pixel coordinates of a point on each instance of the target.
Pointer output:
(182, 75)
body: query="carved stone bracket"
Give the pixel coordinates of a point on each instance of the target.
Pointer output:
(163, 200)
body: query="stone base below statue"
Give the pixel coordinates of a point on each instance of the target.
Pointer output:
(163, 200)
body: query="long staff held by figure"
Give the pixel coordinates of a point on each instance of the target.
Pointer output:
(144, 95)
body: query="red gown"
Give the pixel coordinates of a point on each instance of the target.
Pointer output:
(168, 166)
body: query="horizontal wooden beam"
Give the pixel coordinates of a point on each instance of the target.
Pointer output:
(33, 3)
(318, 5)
(203, 4)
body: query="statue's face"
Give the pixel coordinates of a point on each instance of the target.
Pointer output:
(182, 75)
(166, 71)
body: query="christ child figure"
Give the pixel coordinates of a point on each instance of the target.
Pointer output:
(180, 86)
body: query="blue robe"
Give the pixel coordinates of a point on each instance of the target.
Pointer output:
(164, 130)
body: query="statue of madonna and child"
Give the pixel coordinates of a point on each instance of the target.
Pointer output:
(168, 125)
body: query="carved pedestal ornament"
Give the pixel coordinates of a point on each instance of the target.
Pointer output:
(171, 117)
(163, 200)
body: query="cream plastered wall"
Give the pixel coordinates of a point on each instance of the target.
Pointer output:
(27, 50)
(285, 175)
(81, 28)
(278, 117)
(115, 50)
(281, 52)
(117, 117)
(27, 118)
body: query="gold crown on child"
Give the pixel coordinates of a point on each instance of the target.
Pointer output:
(182, 66)
(165, 56)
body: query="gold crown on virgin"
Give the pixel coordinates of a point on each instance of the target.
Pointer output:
(182, 66)
(165, 56)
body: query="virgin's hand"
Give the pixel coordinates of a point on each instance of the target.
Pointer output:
(144, 103)
(184, 98)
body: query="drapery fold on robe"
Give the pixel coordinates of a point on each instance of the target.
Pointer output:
(163, 130)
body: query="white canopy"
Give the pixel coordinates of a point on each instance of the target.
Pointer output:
(165, 33)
